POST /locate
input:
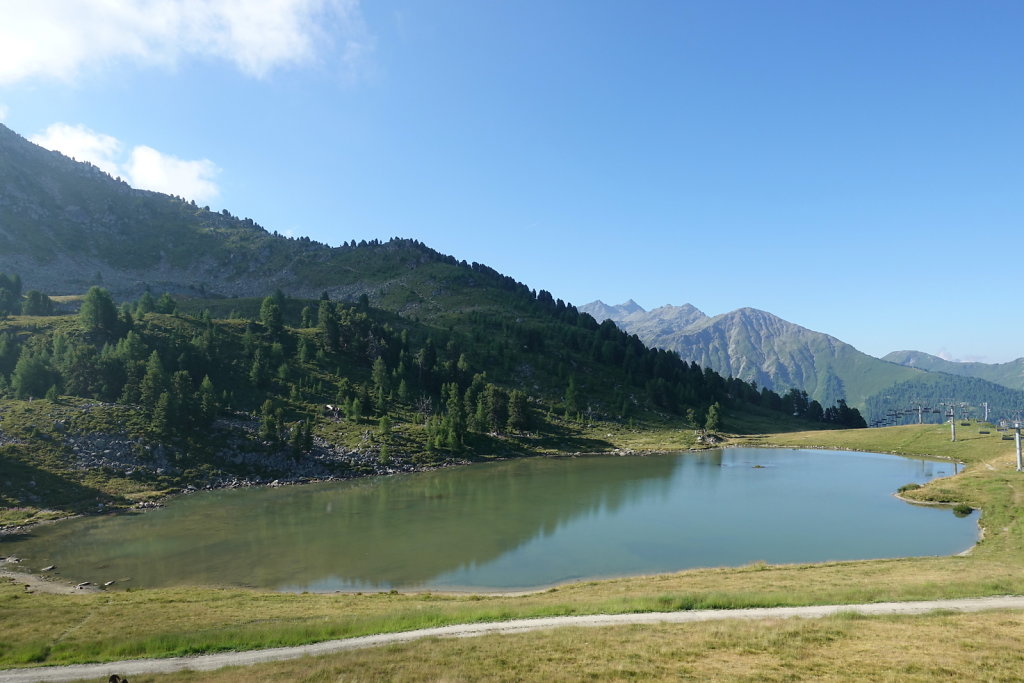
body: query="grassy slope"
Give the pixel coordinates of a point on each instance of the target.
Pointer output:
(1010, 374)
(43, 628)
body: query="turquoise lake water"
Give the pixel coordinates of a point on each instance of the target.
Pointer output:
(517, 524)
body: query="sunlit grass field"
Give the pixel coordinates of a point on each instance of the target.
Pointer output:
(971, 647)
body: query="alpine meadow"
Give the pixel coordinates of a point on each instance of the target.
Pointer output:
(311, 367)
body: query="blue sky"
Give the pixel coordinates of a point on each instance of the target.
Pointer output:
(853, 167)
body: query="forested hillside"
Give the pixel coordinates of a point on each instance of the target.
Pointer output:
(149, 344)
(935, 391)
(161, 393)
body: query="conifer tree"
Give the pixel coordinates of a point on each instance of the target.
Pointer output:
(271, 316)
(572, 405)
(98, 313)
(268, 422)
(163, 419)
(145, 305)
(166, 304)
(327, 322)
(36, 303)
(154, 382)
(713, 421)
(518, 411)
(207, 400)
(32, 376)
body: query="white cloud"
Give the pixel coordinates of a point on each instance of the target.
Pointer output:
(152, 170)
(58, 38)
(945, 354)
(3, 112)
(144, 168)
(78, 142)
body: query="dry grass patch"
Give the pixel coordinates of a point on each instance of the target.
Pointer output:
(921, 648)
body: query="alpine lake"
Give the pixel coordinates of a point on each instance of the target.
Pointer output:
(517, 524)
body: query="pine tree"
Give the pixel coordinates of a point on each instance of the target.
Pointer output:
(268, 422)
(36, 303)
(713, 422)
(145, 305)
(32, 376)
(518, 411)
(379, 376)
(259, 371)
(98, 313)
(455, 416)
(207, 400)
(297, 441)
(327, 322)
(271, 316)
(162, 420)
(307, 436)
(571, 402)
(154, 382)
(496, 402)
(166, 304)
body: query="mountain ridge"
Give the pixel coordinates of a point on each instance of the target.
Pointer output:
(759, 346)
(1009, 374)
(66, 225)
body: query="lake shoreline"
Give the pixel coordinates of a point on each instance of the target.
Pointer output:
(40, 557)
(258, 482)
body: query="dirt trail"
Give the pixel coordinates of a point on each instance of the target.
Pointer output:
(210, 662)
(34, 583)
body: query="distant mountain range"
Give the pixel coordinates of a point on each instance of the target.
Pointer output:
(1009, 374)
(755, 345)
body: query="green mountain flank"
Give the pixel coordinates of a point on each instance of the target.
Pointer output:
(760, 347)
(1009, 374)
(937, 392)
(149, 345)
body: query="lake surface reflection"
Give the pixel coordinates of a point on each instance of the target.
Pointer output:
(518, 524)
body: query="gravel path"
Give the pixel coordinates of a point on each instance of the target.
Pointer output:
(209, 662)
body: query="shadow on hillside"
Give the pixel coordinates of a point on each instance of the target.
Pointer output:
(558, 437)
(26, 485)
(553, 438)
(759, 422)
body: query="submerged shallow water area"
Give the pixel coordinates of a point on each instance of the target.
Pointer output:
(518, 524)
